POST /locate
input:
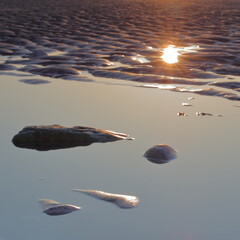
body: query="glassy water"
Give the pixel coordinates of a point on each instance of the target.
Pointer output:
(144, 68)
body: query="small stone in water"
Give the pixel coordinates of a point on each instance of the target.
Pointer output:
(208, 114)
(186, 104)
(53, 208)
(203, 114)
(182, 114)
(160, 154)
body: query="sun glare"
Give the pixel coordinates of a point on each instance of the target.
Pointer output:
(170, 54)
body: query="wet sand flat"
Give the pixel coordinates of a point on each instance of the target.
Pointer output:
(124, 40)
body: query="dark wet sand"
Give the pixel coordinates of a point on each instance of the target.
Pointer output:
(124, 40)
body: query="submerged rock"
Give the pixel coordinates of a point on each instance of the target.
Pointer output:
(49, 137)
(122, 201)
(160, 154)
(53, 208)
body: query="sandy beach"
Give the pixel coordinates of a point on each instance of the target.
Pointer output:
(100, 64)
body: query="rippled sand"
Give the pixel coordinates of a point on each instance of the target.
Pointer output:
(125, 40)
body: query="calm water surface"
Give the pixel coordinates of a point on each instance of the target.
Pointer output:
(118, 48)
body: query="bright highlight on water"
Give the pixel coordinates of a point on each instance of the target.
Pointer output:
(170, 54)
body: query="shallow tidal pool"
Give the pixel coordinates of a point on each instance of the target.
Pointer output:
(194, 196)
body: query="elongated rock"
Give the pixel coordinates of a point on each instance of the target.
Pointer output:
(53, 208)
(122, 201)
(49, 137)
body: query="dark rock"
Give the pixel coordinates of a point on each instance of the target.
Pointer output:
(49, 137)
(160, 154)
(53, 208)
(61, 209)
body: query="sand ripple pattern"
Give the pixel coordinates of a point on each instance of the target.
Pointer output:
(124, 39)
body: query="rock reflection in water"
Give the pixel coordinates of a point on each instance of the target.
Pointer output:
(122, 201)
(50, 137)
(160, 154)
(53, 208)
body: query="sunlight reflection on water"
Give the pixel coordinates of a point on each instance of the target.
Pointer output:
(171, 53)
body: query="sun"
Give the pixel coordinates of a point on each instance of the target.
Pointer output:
(170, 54)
